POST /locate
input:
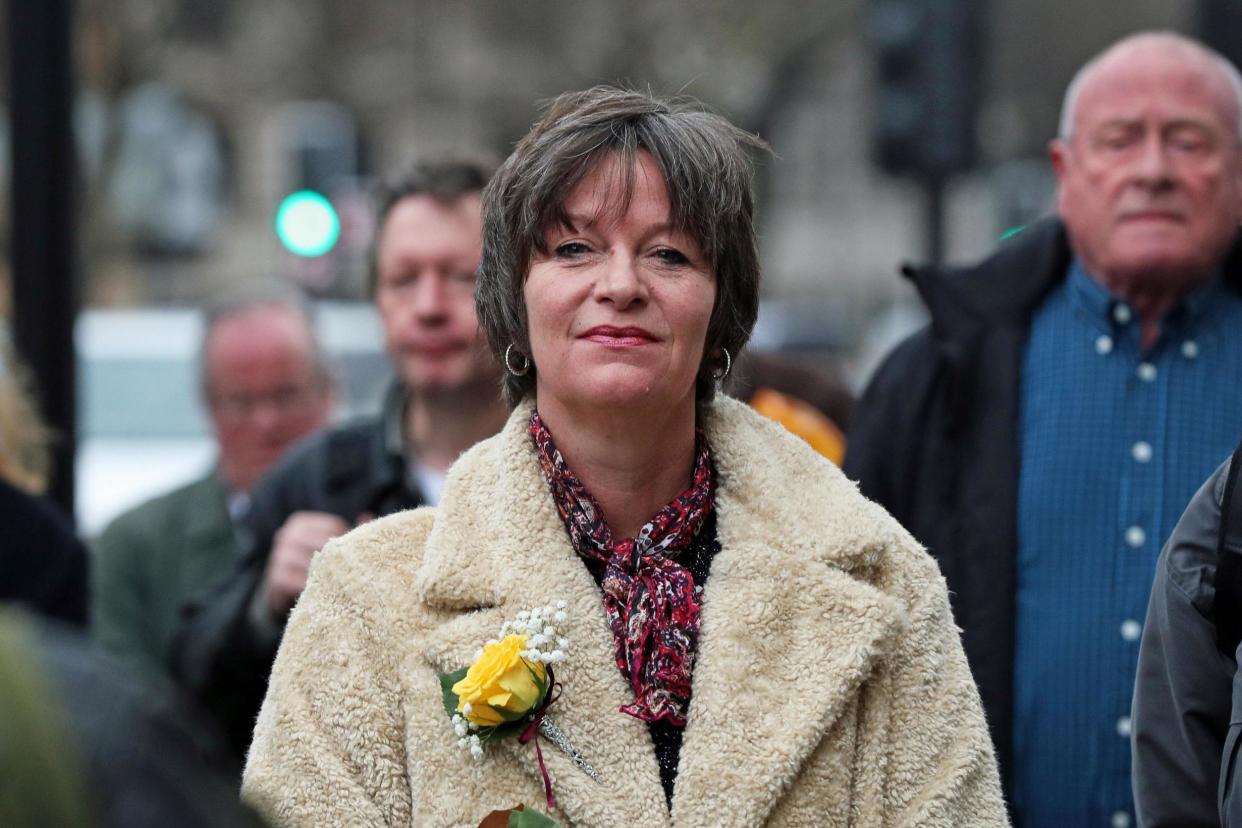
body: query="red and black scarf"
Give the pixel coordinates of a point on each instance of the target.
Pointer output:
(649, 597)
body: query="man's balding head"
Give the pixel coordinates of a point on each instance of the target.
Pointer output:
(1169, 43)
(1148, 166)
(265, 382)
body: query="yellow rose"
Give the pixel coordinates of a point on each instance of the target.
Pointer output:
(500, 685)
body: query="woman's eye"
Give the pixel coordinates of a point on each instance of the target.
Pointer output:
(670, 256)
(569, 250)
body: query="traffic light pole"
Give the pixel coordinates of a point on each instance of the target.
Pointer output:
(44, 222)
(933, 191)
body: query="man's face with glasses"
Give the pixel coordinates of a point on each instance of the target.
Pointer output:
(263, 388)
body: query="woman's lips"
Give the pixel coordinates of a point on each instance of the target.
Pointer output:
(628, 337)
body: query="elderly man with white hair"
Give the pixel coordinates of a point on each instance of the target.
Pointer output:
(1044, 433)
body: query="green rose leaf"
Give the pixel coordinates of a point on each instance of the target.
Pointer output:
(530, 819)
(447, 680)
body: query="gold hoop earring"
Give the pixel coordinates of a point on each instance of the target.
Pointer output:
(520, 371)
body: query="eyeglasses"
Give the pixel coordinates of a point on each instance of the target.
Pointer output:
(283, 400)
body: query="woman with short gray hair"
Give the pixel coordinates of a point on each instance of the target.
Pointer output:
(641, 603)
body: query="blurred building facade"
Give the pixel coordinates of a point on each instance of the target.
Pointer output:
(190, 115)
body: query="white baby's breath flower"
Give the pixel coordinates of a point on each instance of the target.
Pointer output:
(557, 656)
(561, 605)
(549, 632)
(562, 643)
(463, 743)
(467, 708)
(560, 617)
(460, 729)
(478, 654)
(523, 615)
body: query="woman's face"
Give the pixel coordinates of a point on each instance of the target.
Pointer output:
(618, 307)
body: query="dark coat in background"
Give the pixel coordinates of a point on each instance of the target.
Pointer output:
(43, 566)
(935, 440)
(152, 560)
(218, 654)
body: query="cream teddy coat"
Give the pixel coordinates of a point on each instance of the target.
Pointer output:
(829, 689)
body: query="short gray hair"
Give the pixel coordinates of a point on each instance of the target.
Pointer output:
(1069, 104)
(244, 303)
(707, 167)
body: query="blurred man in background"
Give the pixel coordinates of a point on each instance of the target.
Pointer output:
(266, 384)
(1044, 434)
(448, 398)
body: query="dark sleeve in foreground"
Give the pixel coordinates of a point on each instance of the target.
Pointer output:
(148, 760)
(43, 565)
(1181, 709)
(217, 654)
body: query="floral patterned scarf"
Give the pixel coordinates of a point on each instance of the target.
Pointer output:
(649, 597)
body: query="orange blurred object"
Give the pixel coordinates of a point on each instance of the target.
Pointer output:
(802, 419)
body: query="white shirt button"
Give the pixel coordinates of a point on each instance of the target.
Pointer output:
(1190, 349)
(1104, 345)
(1121, 313)
(1123, 727)
(1121, 819)
(1131, 629)
(1141, 451)
(1135, 536)
(1146, 372)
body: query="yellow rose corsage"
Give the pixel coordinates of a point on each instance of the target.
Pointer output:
(508, 687)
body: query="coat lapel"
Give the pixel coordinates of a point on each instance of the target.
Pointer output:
(789, 631)
(498, 547)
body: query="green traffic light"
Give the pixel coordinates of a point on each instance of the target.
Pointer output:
(307, 224)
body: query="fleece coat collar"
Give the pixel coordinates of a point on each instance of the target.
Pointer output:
(776, 666)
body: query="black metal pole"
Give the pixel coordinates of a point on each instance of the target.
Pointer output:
(44, 219)
(933, 189)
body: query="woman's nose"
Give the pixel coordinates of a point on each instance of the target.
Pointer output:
(621, 282)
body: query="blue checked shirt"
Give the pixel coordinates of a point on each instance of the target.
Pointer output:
(1114, 442)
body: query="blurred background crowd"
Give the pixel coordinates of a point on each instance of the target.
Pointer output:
(194, 122)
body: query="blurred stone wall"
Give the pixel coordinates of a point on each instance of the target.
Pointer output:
(424, 77)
